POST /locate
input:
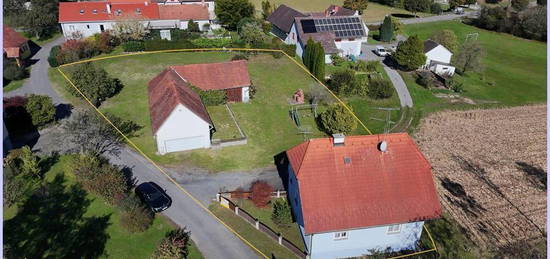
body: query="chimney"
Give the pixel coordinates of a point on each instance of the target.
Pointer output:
(203, 3)
(338, 139)
(146, 3)
(108, 8)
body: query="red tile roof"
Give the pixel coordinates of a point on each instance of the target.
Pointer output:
(183, 12)
(97, 11)
(12, 41)
(375, 188)
(166, 91)
(216, 76)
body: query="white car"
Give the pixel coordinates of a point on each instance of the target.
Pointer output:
(381, 51)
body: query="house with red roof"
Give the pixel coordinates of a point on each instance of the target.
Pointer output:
(352, 195)
(15, 46)
(179, 119)
(87, 18)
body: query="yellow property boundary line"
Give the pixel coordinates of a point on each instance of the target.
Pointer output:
(165, 173)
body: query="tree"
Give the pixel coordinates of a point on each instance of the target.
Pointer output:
(14, 72)
(380, 88)
(533, 23)
(86, 133)
(386, 29)
(267, 9)
(520, 5)
(342, 82)
(281, 214)
(410, 53)
(174, 246)
(41, 17)
(357, 5)
(135, 216)
(29, 163)
(456, 3)
(260, 193)
(94, 83)
(41, 109)
(230, 12)
(415, 6)
(337, 119)
(447, 38)
(16, 117)
(193, 26)
(397, 25)
(129, 27)
(469, 57)
(435, 8)
(314, 59)
(251, 33)
(541, 2)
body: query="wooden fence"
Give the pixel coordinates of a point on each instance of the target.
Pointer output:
(225, 201)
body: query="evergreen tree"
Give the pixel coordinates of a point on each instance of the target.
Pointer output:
(410, 53)
(386, 30)
(308, 50)
(230, 12)
(319, 62)
(267, 9)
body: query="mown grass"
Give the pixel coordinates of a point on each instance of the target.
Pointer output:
(259, 239)
(12, 85)
(120, 243)
(226, 127)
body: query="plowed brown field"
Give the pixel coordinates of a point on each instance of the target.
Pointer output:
(490, 170)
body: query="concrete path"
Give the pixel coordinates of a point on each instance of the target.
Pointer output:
(38, 82)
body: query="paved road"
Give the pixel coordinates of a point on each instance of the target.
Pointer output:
(436, 18)
(396, 79)
(211, 237)
(38, 82)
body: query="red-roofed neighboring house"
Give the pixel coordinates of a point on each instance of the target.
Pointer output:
(15, 46)
(179, 119)
(351, 195)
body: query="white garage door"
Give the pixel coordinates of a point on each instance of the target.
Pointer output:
(182, 144)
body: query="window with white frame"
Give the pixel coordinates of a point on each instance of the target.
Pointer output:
(340, 235)
(71, 27)
(394, 229)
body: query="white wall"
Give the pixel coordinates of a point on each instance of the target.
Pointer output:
(439, 54)
(349, 47)
(443, 70)
(182, 123)
(292, 37)
(360, 241)
(183, 24)
(245, 94)
(82, 27)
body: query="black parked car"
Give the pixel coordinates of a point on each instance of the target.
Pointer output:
(154, 196)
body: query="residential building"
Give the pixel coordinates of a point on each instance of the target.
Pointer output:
(339, 30)
(83, 19)
(15, 46)
(358, 194)
(438, 58)
(179, 119)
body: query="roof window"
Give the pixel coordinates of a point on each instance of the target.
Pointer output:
(81, 11)
(94, 11)
(138, 10)
(347, 160)
(118, 12)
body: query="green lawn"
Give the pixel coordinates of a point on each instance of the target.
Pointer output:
(120, 243)
(44, 40)
(12, 85)
(226, 128)
(259, 239)
(290, 232)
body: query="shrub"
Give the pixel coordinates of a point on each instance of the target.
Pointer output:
(135, 216)
(317, 94)
(289, 49)
(193, 26)
(410, 53)
(342, 82)
(361, 85)
(372, 66)
(103, 42)
(424, 79)
(13, 72)
(174, 245)
(211, 97)
(435, 8)
(93, 82)
(41, 109)
(337, 60)
(361, 66)
(14, 187)
(282, 214)
(165, 45)
(380, 88)
(240, 56)
(337, 119)
(133, 46)
(74, 50)
(52, 58)
(211, 43)
(455, 85)
(260, 193)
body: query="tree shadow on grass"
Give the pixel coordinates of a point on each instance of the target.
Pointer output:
(51, 223)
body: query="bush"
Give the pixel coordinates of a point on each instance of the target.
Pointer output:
(342, 82)
(372, 66)
(260, 193)
(240, 56)
(52, 58)
(337, 60)
(424, 79)
(282, 214)
(166, 45)
(41, 109)
(93, 82)
(289, 49)
(133, 46)
(360, 66)
(103, 42)
(455, 85)
(13, 72)
(380, 88)
(435, 8)
(361, 85)
(135, 216)
(337, 119)
(74, 50)
(211, 43)
(174, 245)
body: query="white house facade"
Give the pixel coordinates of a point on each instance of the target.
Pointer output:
(438, 58)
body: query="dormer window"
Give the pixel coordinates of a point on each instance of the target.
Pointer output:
(81, 11)
(138, 11)
(94, 11)
(118, 12)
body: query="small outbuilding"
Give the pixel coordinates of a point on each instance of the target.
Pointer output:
(438, 58)
(15, 46)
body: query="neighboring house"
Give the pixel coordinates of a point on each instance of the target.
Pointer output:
(209, 3)
(15, 46)
(352, 195)
(438, 58)
(179, 119)
(339, 30)
(88, 18)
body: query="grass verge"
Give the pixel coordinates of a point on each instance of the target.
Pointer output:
(12, 85)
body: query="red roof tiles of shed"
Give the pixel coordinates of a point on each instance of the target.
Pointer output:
(97, 11)
(183, 12)
(375, 188)
(216, 76)
(12, 41)
(166, 91)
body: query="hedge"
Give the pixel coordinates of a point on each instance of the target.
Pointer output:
(133, 46)
(165, 45)
(212, 43)
(52, 59)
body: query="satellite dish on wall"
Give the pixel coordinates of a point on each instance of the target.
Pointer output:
(383, 146)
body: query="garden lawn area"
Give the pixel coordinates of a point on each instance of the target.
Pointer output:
(515, 68)
(224, 124)
(43, 40)
(265, 119)
(290, 232)
(257, 238)
(120, 243)
(12, 85)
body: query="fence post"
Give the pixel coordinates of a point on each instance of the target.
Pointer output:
(278, 194)
(280, 239)
(236, 209)
(257, 225)
(218, 197)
